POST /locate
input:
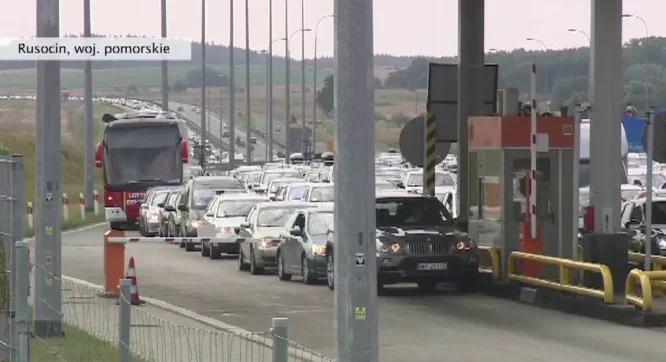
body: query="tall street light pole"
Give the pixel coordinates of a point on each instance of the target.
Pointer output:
(232, 90)
(202, 157)
(545, 70)
(302, 31)
(645, 45)
(165, 79)
(248, 131)
(314, 88)
(304, 126)
(287, 117)
(88, 112)
(269, 112)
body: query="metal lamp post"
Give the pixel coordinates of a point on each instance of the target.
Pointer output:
(314, 88)
(645, 45)
(545, 70)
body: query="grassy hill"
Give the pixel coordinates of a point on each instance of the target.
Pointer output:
(18, 135)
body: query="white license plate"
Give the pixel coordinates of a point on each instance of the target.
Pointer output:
(431, 266)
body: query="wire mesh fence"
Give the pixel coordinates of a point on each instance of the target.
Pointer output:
(92, 325)
(11, 218)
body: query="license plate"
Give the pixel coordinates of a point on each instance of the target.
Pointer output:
(431, 266)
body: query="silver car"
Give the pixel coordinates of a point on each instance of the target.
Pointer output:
(223, 218)
(259, 235)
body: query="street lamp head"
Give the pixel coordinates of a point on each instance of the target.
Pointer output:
(530, 39)
(627, 16)
(572, 30)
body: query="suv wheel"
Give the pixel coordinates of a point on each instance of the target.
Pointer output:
(242, 265)
(189, 246)
(308, 278)
(205, 249)
(254, 268)
(282, 274)
(330, 271)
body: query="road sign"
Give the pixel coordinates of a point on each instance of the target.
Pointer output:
(443, 97)
(411, 143)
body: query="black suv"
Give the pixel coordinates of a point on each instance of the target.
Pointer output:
(417, 241)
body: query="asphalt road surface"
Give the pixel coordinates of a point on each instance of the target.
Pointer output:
(444, 326)
(259, 152)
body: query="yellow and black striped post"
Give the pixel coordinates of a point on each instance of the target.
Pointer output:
(429, 154)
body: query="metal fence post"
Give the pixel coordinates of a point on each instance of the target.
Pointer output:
(124, 320)
(280, 335)
(21, 292)
(18, 200)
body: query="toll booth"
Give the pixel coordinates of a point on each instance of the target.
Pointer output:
(499, 165)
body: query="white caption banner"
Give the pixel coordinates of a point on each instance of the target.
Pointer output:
(102, 49)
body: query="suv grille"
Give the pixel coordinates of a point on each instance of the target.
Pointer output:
(426, 248)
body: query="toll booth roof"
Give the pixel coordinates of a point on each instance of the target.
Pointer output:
(513, 132)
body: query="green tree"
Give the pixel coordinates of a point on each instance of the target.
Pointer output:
(325, 96)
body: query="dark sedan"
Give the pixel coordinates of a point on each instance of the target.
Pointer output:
(302, 250)
(417, 241)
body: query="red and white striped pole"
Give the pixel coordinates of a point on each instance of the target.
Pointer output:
(96, 202)
(533, 157)
(82, 205)
(65, 207)
(31, 211)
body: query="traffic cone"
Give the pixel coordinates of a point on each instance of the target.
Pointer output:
(131, 275)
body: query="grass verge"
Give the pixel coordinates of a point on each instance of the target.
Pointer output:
(18, 136)
(76, 345)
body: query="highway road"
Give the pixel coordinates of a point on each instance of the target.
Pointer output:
(259, 152)
(443, 326)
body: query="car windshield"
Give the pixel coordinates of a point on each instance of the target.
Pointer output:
(142, 155)
(275, 216)
(320, 223)
(441, 179)
(270, 176)
(276, 184)
(297, 192)
(410, 211)
(159, 198)
(388, 173)
(253, 177)
(322, 194)
(235, 208)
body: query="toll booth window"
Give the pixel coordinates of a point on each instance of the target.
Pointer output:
(490, 209)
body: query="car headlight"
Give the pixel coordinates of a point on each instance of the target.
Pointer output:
(465, 245)
(196, 223)
(319, 249)
(153, 218)
(269, 243)
(661, 244)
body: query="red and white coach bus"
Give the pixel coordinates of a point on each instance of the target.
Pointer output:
(139, 150)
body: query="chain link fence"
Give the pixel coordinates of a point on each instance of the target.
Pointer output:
(97, 328)
(11, 230)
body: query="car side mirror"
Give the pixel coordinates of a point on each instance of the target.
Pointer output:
(169, 208)
(400, 185)
(272, 198)
(144, 206)
(210, 214)
(182, 208)
(245, 225)
(296, 231)
(161, 204)
(249, 187)
(237, 230)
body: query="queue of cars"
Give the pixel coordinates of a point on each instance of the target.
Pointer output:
(281, 217)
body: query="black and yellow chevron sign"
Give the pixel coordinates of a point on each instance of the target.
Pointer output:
(430, 155)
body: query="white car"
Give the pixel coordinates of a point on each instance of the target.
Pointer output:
(222, 220)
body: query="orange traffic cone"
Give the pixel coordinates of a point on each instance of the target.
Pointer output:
(131, 274)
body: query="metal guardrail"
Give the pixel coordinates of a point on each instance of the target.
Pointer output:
(565, 281)
(658, 262)
(649, 281)
(494, 258)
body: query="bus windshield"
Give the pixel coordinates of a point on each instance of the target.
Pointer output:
(142, 155)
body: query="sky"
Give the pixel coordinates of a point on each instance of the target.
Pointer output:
(401, 27)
